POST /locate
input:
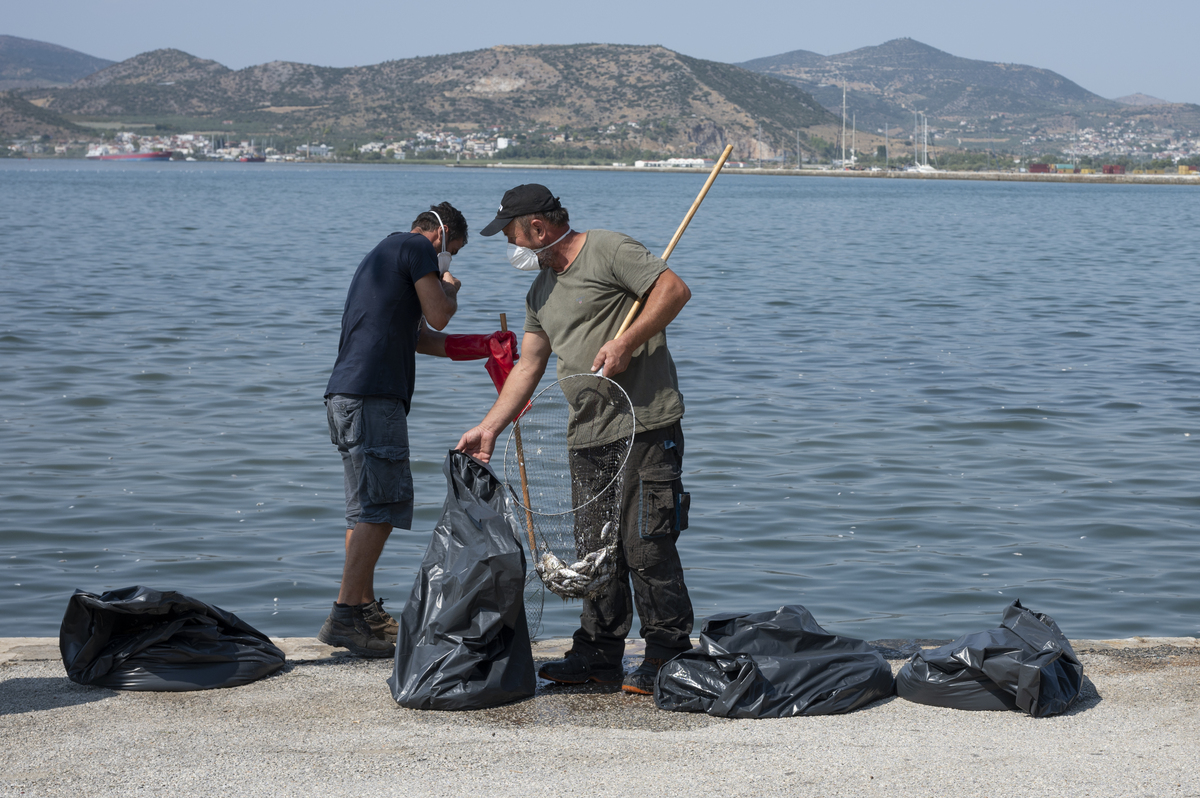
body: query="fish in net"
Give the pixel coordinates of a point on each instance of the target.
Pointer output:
(564, 462)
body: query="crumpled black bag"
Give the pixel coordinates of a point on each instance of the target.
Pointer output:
(463, 642)
(1026, 664)
(776, 664)
(138, 638)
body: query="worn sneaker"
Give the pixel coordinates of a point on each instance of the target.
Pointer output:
(347, 628)
(641, 681)
(577, 669)
(382, 625)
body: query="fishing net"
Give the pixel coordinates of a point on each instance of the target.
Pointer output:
(563, 463)
(535, 600)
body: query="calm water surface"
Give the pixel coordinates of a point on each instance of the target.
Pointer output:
(909, 402)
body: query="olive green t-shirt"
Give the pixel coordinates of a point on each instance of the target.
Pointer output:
(581, 309)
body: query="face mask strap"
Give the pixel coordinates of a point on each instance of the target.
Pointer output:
(560, 238)
(435, 215)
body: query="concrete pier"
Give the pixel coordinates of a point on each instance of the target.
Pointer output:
(326, 725)
(1002, 177)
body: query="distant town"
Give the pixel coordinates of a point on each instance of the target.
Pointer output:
(787, 111)
(1087, 149)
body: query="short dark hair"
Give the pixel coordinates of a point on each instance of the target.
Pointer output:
(456, 223)
(555, 218)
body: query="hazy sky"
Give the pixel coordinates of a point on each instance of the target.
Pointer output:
(1111, 48)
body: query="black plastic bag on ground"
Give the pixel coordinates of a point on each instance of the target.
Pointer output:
(138, 638)
(463, 642)
(776, 664)
(1026, 664)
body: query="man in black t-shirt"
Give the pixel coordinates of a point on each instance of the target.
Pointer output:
(401, 286)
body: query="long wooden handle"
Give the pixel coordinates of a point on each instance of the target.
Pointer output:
(521, 466)
(637, 306)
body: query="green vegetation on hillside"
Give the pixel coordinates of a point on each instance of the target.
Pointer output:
(614, 99)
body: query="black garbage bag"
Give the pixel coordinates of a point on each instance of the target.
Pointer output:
(776, 664)
(138, 638)
(1026, 664)
(463, 642)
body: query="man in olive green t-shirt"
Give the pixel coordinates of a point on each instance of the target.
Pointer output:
(586, 284)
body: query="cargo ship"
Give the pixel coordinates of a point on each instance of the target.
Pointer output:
(104, 155)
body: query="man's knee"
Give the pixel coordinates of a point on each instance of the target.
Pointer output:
(371, 530)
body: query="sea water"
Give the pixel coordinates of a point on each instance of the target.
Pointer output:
(909, 403)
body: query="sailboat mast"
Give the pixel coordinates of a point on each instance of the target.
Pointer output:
(843, 124)
(916, 130)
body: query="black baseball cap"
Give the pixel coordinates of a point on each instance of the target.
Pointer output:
(521, 201)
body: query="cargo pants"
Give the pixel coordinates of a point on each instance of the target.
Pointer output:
(654, 511)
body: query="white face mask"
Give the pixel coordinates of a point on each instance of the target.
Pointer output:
(526, 259)
(443, 257)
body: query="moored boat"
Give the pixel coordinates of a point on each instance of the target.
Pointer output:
(156, 155)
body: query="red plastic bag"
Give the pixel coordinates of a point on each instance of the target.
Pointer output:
(500, 349)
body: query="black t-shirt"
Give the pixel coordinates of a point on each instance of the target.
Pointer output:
(378, 346)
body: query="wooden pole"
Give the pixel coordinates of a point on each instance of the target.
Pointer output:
(521, 466)
(637, 306)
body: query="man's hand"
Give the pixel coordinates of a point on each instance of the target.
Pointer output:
(665, 299)
(613, 357)
(479, 442)
(450, 284)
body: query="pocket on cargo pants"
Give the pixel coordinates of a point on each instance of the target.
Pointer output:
(657, 502)
(344, 414)
(388, 474)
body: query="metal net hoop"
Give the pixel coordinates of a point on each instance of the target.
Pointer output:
(564, 463)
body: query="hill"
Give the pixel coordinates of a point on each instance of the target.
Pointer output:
(26, 63)
(20, 118)
(1141, 99)
(596, 95)
(887, 83)
(163, 67)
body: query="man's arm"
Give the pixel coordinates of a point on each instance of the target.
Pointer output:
(430, 342)
(665, 299)
(480, 441)
(439, 298)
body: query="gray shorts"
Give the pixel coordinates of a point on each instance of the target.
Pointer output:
(371, 433)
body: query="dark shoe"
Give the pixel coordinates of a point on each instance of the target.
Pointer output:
(382, 625)
(577, 669)
(347, 628)
(641, 681)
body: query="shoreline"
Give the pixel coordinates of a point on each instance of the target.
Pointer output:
(309, 649)
(1018, 177)
(1015, 177)
(327, 725)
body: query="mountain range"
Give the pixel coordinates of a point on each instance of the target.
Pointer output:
(886, 84)
(26, 63)
(598, 96)
(990, 103)
(619, 96)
